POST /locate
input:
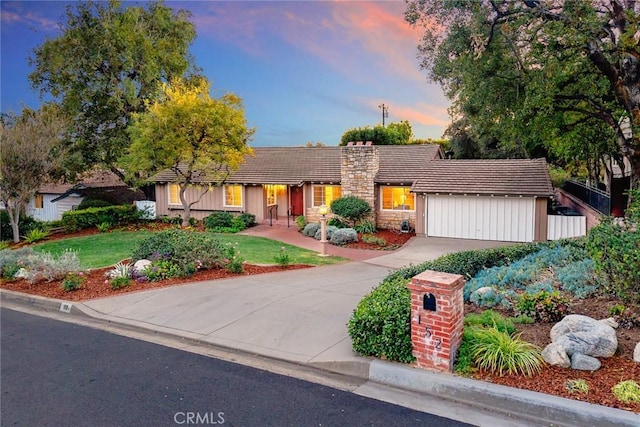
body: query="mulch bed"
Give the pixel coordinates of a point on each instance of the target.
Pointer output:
(95, 286)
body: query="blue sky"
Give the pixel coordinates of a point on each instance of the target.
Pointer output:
(306, 70)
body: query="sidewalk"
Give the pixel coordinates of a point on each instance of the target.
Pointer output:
(300, 316)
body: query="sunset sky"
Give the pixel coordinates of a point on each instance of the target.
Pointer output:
(306, 70)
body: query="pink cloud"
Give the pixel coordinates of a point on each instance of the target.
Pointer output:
(9, 17)
(421, 113)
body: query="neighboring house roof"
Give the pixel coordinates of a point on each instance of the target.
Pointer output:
(95, 179)
(521, 177)
(295, 165)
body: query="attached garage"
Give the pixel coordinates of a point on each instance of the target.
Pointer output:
(502, 200)
(481, 217)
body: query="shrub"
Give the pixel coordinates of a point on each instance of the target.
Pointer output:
(490, 318)
(351, 208)
(497, 352)
(373, 240)
(380, 324)
(248, 219)
(368, 227)
(35, 235)
(615, 248)
(577, 386)
(121, 270)
(103, 227)
(91, 217)
(578, 278)
(25, 225)
(301, 221)
(218, 220)
(119, 282)
(544, 306)
(342, 236)
(187, 250)
(73, 280)
(193, 222)
(627, 317)
(282, 258)
(46, 267)
(310, 229)
(627, 391)
(329, 230)
(13, 260)
(87, 203)
(338, 223)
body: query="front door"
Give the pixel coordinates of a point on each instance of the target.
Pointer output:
(297, 201)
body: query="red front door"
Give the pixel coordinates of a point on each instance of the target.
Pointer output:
(297, 201)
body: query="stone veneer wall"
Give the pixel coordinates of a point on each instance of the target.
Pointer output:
(359, 166)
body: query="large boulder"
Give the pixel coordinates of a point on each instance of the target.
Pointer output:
(582, 334)
(636, 353)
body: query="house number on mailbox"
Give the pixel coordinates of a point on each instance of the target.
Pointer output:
(429, 302)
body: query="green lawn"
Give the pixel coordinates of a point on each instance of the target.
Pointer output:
(106, 249)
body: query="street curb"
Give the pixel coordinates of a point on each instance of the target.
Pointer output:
(525, 404)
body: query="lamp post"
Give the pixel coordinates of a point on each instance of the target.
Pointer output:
(323, 210)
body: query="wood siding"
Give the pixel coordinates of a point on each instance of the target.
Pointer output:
(483, 218)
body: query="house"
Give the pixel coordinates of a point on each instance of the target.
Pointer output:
(52, 200)
(407, 184)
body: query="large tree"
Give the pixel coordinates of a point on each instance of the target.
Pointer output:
(538, 73)
(199, 138)
(394, 134)
(30, 156)
(105, 65)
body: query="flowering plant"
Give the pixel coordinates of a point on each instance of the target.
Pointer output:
(73, 280)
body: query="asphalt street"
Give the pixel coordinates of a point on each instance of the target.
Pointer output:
(64, 374)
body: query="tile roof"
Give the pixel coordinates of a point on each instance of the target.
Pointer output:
(294, 165)
(403, 163)
(499, 177)
(289, 165)
(90, 179)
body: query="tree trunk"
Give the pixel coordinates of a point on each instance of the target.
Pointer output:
(186, 206)
(14, 220)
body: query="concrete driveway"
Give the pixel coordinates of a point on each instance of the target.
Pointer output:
(297, 315)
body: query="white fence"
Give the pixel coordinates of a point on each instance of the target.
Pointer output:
(561, 226)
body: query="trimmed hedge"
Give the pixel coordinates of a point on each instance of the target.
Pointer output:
(91, 217)
(380, 325)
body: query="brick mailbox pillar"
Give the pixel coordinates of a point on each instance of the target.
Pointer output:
(437, 315)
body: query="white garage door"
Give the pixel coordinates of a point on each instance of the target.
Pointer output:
(509, 219)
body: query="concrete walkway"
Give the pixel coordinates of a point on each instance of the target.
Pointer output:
(300, 316)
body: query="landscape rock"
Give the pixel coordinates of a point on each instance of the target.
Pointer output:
(555, 355)
(636, 353)
(582, 334)
(610, 322)
(142, 264)
(583, 362)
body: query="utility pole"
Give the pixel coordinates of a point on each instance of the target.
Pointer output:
(385, 112)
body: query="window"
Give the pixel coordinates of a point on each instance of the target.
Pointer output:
(233, 195)
(273, 191)
(325, 194)
(398, 198)
(174, 194)
(39, 201)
